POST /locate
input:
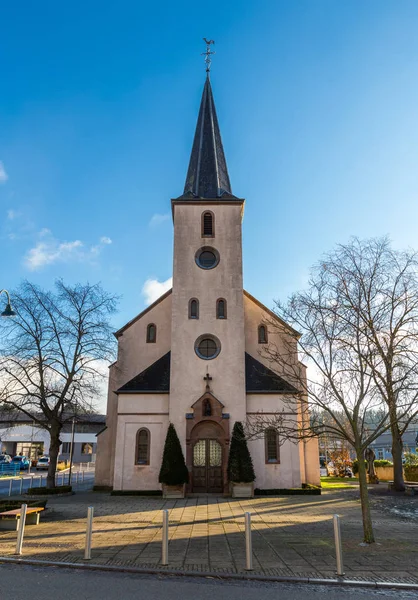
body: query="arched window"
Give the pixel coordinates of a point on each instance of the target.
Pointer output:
(193, 308)
(262, 334)
(142, 450)
(151, 333)
(272, 445)
(221, 308)
(208, 224)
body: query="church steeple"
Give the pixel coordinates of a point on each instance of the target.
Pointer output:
(207, 176)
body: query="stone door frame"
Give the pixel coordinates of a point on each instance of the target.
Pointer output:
(201, 425)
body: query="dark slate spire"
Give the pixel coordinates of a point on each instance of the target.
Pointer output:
(207, 176)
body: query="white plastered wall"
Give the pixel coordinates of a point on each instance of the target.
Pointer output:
(302, 458)
(285, 474)
(134, 356)
(137, 411)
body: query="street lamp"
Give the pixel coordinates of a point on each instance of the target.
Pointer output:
(8, 311)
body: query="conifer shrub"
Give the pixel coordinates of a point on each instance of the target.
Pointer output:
(173, 468)
(240, 464)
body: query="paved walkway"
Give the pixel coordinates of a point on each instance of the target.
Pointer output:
(292, 535)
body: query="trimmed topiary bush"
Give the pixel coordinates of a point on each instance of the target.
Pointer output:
(240, 464)
(173, 468)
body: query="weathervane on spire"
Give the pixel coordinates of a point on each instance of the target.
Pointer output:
(208, 53)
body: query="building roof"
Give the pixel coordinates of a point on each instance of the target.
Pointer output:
(15, 416)
(156, 379)
(261, 379)
(207, 176)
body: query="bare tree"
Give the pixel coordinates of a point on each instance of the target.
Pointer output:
(358, 324)
(379, 285)
(52, 353)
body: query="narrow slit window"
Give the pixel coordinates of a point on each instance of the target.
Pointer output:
(262, 334)
(193, 309)
(142, 447)
(272, 446)
(151, 333)
(221, 308)
(208, 224)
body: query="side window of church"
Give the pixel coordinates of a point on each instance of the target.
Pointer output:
(272, 446)
(221, 309)
(193, 308)
(142, 447)
(208, 221)
(151, 333)
(262, 334)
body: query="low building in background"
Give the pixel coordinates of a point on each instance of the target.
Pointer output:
(382, 446)
(19, 434)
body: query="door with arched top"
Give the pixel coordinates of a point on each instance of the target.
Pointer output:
(207, 466)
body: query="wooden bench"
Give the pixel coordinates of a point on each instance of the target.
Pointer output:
(9, 519)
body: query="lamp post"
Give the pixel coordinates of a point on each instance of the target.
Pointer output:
(8, 311)
(71, 451)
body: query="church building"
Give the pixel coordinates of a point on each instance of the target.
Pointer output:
(194, 357)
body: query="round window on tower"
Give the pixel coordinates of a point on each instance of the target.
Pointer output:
(207, 258)
(207, 346)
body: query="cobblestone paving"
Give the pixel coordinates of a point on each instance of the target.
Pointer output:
(292, 535)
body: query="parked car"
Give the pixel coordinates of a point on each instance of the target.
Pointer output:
(43, 463)
(24, 462)
(5, 459)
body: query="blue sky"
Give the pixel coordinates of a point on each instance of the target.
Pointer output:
(317, 103)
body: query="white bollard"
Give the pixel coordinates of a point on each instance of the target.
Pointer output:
(89, 532)
(248, 543)
(76, 478)
(338, 546)
(21, 528)
(21, 485)
(10, 487)
(164, 556)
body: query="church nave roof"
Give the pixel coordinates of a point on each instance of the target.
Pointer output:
(156, 379)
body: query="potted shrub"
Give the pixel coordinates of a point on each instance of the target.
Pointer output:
(173, 473)
(240, 465)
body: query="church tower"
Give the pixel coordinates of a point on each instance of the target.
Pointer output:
(207, 335)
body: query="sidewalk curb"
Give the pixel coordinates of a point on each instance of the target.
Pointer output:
(204, 574)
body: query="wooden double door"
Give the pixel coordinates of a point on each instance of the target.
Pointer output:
(207, 466)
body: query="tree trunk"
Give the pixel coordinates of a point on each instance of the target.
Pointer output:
(54, 448)
(364, 499)
(397, 447)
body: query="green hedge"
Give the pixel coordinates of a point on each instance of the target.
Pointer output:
(102, 488)
(136, 493)
(14, 504)
(382, 462)
(43, 491)
(355, 466)
(411, 473)
(305, 491)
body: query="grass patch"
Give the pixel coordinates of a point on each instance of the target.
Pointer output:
(337, 483)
